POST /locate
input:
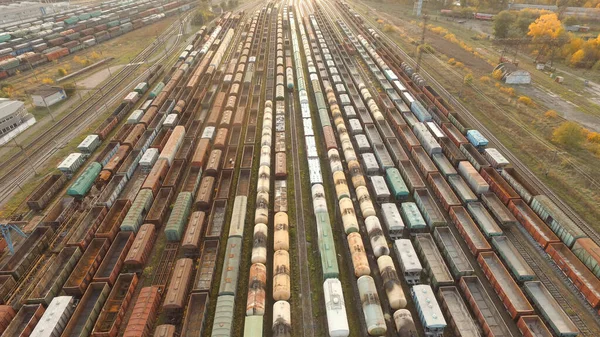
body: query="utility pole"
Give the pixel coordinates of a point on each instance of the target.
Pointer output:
(422, 43)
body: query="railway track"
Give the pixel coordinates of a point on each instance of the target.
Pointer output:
(46, 144)
(391, 47)
(307, 317)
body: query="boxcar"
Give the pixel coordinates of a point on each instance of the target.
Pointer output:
(140, 249)
(156, 176)
(190, 244)
(205, 192)
(176, 294)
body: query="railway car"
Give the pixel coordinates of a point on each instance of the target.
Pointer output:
(282, 319)
(371, 306)
(337, 320)
(259, 244)
(55, 318)
(458, 262)
(457, 312)
(281, 239)
(358, 254)
(468, 230)
(405, 325)
(513, 259)
(255, 304)
(391, 282)
(483, 307)
(429, 310)
(558, 321)
(507, 289)
(540, 232)
(408, 261)
(190, 244)
(583, 279)
(433, 263)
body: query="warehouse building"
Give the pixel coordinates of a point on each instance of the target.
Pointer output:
(48, 95)
(14, 119)
(513, 75)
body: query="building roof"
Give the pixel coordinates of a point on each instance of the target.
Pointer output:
(8, 107)
(46, 90)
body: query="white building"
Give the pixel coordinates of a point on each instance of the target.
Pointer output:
(48, 96)
(14, 119)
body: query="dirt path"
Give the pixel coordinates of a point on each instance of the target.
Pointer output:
(98, 77)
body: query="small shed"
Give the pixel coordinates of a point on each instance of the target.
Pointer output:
(513, 75)
(47, 95)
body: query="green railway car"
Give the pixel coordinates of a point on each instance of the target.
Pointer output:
(327, 247)
(396, 183)
(84, 182)
(253, 326)
(412, 217)
(179, 215)
(157, 89)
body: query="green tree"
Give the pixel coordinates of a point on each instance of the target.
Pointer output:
(569, 134)
(502, 24)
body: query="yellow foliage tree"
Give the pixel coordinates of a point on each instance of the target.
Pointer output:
(497, 74)
(484, 79)
(546, 26)
(526, 100)
(577, 57)
(48, 80)
(94, 55)
(569, 134)
(468, 79)
(388, 28)
(452, 61)
(593, 137)
(551, 114)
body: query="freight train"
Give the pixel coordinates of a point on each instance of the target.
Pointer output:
(68, 35)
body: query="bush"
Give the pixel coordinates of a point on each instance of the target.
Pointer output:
(569, 134)
(497, 74)
(62, 72)
(69, 88)
(485, 79)
(388, 28)
(593, 137)
(459, 65)
(526, 100)
(468, 79)
(507, 91)
(47, 80)
(551, 114)
(452, 61)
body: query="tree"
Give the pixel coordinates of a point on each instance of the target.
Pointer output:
(546, 26)
(570, 21)
(502, 23)
(198, 19)
(47, 80)
(62, 71)
(569, 134)
(468, 79)
(577, 57)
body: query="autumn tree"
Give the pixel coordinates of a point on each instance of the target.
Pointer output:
(569, 134)
(546, 26)
(47, 80)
